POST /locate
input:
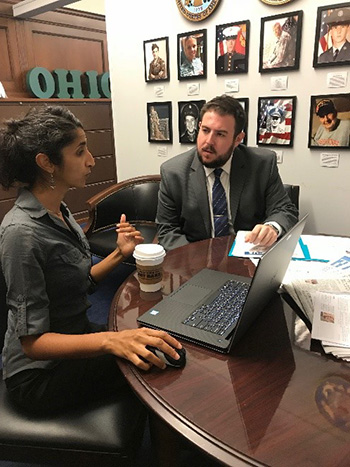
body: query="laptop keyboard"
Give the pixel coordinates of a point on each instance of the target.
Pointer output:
(224, 311)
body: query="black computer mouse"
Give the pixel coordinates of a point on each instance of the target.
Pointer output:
(180, 363)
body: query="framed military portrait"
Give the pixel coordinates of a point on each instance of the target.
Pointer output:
(192, 55)
(232, 46)
(189, 112)
(244, 101)
(159, 119)
(329, 125)
(276, 121)
(280, 39)
(332, 40)
(156, 58)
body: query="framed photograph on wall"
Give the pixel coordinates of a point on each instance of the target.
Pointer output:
(156, 58)
(280, 39)
(276, 121)
(159, 118)
(232, 46)
(192, 55)
(244, 101)
(189, 112)
(332, 40)
(329, 125)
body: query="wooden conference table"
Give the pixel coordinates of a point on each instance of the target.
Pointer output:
(270, 402)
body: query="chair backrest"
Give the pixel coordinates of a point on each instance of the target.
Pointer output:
(293, 193)
(136, 197)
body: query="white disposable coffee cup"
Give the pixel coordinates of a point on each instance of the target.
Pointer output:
(149, 264)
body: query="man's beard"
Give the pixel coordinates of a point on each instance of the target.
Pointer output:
(220, 159)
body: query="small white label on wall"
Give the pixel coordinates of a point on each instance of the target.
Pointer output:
(279, 83)
(329, 159)
(231, 85)
(193, 89)
(159, 91)
(337, 80)
(162, 151)
(279, 156)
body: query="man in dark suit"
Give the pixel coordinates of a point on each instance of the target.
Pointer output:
(255, 196)
(338, 26)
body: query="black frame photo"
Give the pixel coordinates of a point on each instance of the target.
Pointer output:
(244, 101)
(192, 55)
(329, 125)
(232, 47)
(156, 59)
(332, 39)
(276, 121)
(159, 119)
(189, 112)
(280, 39)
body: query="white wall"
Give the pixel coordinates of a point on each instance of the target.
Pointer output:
(325, 192)
(91, 6)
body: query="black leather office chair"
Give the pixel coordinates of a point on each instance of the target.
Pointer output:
(135, 197)
(293, 192)
(107, 433)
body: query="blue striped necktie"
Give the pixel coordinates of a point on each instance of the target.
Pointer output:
(219, 207)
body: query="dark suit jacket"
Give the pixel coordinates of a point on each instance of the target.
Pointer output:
(344, 54)
(257, 195)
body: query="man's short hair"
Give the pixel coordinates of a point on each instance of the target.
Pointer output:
(155, 46)
(227, 105)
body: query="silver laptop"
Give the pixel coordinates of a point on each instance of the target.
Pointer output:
(214, 309)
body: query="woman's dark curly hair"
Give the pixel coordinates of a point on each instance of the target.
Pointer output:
(43, 130)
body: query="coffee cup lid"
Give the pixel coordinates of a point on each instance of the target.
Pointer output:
(148, 251)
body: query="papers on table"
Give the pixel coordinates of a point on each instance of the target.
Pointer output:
(331, 323)
(309, 248)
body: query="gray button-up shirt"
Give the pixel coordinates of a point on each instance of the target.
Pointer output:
(47, 272)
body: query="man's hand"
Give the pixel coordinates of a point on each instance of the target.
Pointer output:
(263, 235)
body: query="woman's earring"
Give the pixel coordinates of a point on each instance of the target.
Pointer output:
(52, 182)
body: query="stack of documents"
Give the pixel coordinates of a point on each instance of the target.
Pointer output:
(318, 276)
(331, 323)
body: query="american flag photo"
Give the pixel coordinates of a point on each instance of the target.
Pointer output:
(276, 120)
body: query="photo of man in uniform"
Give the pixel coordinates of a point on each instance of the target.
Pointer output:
(188, 120)
(231, 60)
(332, 130)
(338, 30)
(157, 66)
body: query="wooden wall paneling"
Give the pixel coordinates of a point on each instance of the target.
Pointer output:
(104, 169)
(54, 46)
(100, 142)
(93, 117)
(10, 71)
(78, 205)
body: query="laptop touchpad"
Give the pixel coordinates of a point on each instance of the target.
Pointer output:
(191, 294)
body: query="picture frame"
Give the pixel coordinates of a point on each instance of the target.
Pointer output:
(332, 37)
(159, 119)
(189, 113)
(156, 59)
(244, 101)
(192, 55)
(329, 124)
(232, 47)
(280, 40)
(275, 126)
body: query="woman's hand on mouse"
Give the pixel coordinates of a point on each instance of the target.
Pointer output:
(131, 345)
